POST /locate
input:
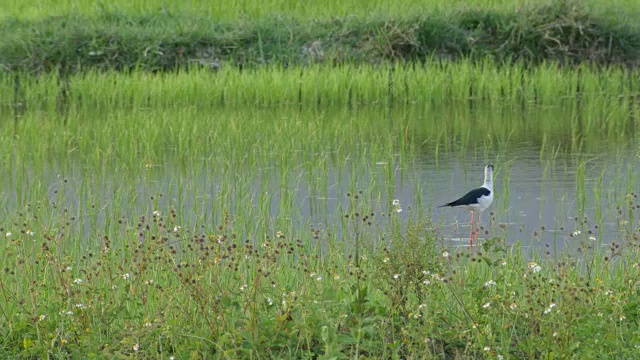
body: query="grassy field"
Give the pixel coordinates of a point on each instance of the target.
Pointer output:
(33, 9)
(563, 32)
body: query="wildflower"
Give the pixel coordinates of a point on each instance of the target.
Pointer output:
(608, 292)
(396, 276)
(63, 341)
(9, 234)
(30, 233)
(147, 324)
(80, 306)
(396, 204)
(486, 305)
(243, 287)
(279, 234)
(77, 281)
(622, 317)
(555, 333)
(176, 229)
(336, 277)
(445, 254)
(489, 283)
(42, 317)
(269, 301)
(136, 347)
(148, 282)
(551, 306)
(156, 213)
(427, 282)
(534, 267)
(421, 306)
(592, 238)
(503, 263)
(126, 276)
(500, 357)
(599, 314)
(319, 278)
(487, 348)
(474, 325)
(576, 233)
(513, 306)
(313, 274)
(426, 272)
(385, 260)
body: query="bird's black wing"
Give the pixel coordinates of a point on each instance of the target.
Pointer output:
(470, 198)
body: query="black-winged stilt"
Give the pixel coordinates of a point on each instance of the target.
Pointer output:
(477, 199)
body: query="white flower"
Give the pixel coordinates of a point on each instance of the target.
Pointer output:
(243, 287)
(30, 233)
(77, 281)
(445, 254)
(534, 267)
(136, 347)
(269, 301)
(385, 260)
(504, 263)
(555, 333)
(396, 202)
(622, 317)
(399, 210)
(156, 213)
(396, 276)
(426, 272)
(486, 305)
(576, 233)
(513, 306)
(592, 238)
(68, 268)
(336, 277)
(319, 278)
(42, 317)
(427, 282)
(126, 276)
(500, 357)
(608, 292)
(80, 306)
(9, 234)
(489, 283)
(147, 324)
(487, 348)
(176, 229)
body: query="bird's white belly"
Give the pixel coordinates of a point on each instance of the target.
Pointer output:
(484, 202)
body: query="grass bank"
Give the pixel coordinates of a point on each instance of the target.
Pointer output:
(564, 31)
(159, 287)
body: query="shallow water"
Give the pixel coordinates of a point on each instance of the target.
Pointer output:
(542, 195)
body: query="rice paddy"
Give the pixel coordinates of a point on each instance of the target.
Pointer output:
(290, 213)
(260, 179)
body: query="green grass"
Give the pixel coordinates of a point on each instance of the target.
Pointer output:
(155, 290)
(563, 32)
(33, 9)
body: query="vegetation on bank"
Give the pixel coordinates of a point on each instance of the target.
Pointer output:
(162, 288)
(564, 31)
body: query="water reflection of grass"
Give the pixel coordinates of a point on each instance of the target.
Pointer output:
(161, 287)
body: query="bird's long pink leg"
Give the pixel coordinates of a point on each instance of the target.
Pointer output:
(471, 232)
(479, 223)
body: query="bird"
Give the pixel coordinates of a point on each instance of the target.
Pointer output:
(477, 199)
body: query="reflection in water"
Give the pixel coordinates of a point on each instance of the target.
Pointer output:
(544, 192)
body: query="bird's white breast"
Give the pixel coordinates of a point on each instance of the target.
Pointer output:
(485, 201)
